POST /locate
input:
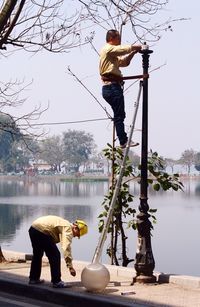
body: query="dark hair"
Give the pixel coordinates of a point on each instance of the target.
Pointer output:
(111, 34)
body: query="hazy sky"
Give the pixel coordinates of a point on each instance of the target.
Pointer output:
(173, 89)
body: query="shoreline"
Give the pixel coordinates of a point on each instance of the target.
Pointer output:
(61, 178)
(74, 178)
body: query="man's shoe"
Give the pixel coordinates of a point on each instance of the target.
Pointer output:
(36, 281)
(132, 144)
(61, 284)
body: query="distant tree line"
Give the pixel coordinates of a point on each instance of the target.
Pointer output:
(74, 148)
(188, 159)
(18, 153)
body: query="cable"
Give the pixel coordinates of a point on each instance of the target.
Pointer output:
(64, 123)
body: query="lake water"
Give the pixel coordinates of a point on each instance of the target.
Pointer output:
(175, 240)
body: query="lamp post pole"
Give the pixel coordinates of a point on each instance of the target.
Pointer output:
(144, 264)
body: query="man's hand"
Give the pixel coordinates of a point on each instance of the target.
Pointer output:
(72, 271)
(136, 48)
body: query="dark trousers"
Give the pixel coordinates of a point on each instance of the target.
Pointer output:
(113, 94)
(43, 243)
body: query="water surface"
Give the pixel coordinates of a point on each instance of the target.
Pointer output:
(175, 240)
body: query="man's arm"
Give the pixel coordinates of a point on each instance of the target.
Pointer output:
(129, 57)
(125, 61)
(66, 240)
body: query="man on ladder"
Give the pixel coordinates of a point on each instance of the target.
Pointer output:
(112, 56)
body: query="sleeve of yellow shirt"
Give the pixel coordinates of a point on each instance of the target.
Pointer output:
(119, 50)
(66, 241)
(122, 61)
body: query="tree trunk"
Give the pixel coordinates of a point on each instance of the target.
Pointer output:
(6, 12)
(2, 258)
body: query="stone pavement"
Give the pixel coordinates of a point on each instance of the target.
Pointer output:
(169, 290)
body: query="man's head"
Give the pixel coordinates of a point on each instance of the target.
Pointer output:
(79, 228)
(113, 37)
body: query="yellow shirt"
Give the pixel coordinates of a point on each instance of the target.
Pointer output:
(60, 230)
(112, 57)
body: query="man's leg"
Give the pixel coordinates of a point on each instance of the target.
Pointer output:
(113, 94)
(54, 257)
(43, 243)
(38, 252)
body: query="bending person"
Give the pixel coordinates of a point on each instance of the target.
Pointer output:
(45, 232)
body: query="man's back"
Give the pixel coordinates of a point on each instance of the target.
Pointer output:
(110, 60)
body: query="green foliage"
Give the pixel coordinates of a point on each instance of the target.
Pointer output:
(8, 134)
(188, 158)
(5, 144)
(152, 216)
(16, 160)
(124, 214)
(9, 137)
(197, 161)
(78, 145)
(161, 179)
(52, 151)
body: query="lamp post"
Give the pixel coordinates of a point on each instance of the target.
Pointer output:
(144, 264)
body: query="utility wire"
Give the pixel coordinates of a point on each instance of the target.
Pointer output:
(86, 120)
(85, 87)
(65, 123)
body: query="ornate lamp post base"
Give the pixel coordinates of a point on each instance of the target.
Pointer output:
(143, 279)
(144, 262)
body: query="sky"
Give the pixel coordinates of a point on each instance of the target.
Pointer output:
(173, 88)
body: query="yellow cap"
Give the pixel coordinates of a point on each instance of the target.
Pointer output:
(82, 226)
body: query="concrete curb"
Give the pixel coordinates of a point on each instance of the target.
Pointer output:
(60, 296)
(192, 282)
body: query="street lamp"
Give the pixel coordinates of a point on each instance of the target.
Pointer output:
(144, 263)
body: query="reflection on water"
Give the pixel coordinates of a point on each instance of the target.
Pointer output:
(197, 190)
(12, 216)
(13, 188)
(175, 238)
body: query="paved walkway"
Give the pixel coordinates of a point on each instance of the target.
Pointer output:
(170, 290)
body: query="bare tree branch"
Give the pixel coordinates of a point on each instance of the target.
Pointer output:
(36, 25)
(140, 15)
(10, 92)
